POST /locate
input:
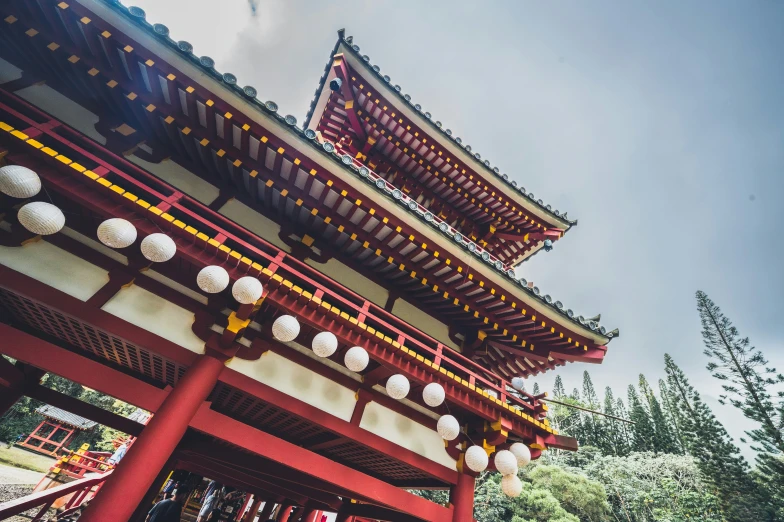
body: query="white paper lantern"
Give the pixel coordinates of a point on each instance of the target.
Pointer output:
(448, 427)
(325, 344)
(521, 453)
(511, 485)
(247, 290)
(398, 386)
(41, 218)
(213, 279)
(505, 462)
(158, 247)
(19, 182)
(433, 395)
(117, 233)
(285, 328)
(476, 459)
(356, 359)
(518, 383)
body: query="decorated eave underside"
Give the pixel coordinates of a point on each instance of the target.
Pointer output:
(400, 140)
(153, 90)
(91, 186)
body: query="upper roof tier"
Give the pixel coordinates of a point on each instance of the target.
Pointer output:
(167, 102)
(358, 107)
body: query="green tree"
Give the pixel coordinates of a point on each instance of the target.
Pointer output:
(536, 389)
(673, 416)
(615, 440)
(624, 428)
(575, 492)
(748, 385)
(593, 425)
(643, 432)
(558, 388)
(662, 433)
(717, 457)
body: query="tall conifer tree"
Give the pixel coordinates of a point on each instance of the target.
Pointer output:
(673, 415)
(643, 432)
(717, 457)
(625, 428)
(748, 385)
(558, 388)
(615, 440)
(662, 438)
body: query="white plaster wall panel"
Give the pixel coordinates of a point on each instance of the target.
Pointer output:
(299, 382)
(245, 216)
(9, 72)
(419, 319)
(155, 314)
(62, 108)
(353, 280)
(182, 178)
(55, 267)
(405, 432)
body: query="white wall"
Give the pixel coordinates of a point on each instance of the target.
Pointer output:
(55, 267)
(405, 432)
(431, 326)
(62, 108)
(155, 314)
(299, 382)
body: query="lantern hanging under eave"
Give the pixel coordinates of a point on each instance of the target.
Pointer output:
(41, 218)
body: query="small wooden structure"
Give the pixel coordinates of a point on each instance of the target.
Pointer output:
(55, 431)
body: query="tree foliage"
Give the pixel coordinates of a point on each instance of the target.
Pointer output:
(748, 384)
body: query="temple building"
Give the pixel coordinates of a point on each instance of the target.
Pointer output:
(322, 315)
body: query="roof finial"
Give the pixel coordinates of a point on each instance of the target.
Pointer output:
(341, 33)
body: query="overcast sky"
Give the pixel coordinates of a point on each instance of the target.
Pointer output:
(659, 125)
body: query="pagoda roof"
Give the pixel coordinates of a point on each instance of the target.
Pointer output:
(65, 417)
(270, 108)
(487, 294)
(484, 167)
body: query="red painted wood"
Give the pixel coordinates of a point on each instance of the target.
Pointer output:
(461, 498)
(355, 483)
(137, 471)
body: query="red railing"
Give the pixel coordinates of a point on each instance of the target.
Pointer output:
(76, 465)
(211, 220)
(80, 490)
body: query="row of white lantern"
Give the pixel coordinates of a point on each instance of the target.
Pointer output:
(44, 219)
(159, 248)
(286, 328)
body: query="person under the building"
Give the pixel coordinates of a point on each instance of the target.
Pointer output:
(211, 498)
(169, 510)
(118, 454)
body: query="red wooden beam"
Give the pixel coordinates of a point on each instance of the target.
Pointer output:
(357, 484)
(86, 410)
(339, 66)
(74, 367)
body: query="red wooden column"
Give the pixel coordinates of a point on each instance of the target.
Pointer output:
(309, 515)
(254, 509)
(127, 486)
(266, 511)
(461, 497)
(283, 514)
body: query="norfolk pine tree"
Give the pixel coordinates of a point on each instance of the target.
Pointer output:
(717, 457)
(643, 432)
(748, 385)
(663, 440)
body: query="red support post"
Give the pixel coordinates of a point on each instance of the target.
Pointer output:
(266, 511)
(138, 469)
(250, 516)
(461, 497)
(283, 514)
